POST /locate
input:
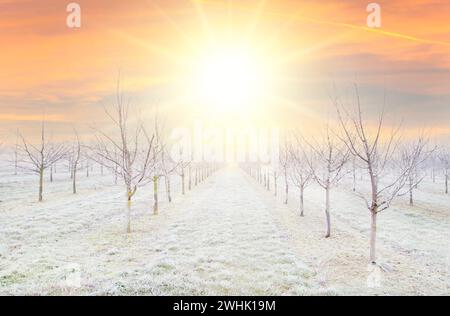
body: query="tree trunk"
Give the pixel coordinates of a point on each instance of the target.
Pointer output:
(169, 196)
(182, 183)
(51, 173)
(155, 195)
(302, 203)
(129, 213)
(286, 189)
(411, 188)
(373, 234)
(327, 211)
(74, 181)
(446, 183)
(41, 183)
(190, 179)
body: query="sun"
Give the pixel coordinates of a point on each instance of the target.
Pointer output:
(230, 79)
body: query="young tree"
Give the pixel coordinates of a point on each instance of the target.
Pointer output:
(182, 163)
(131, 151)
(285, 163)
(444, 158)
(275, 175)
(327, 166)
(413, 156)
(375, 149)
(75, 156)
(300, 172)
(39, 158)
(163, 167)
(87, 161)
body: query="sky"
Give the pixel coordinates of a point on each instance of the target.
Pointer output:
(306, 51)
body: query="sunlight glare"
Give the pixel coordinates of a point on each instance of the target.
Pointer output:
(230, 79)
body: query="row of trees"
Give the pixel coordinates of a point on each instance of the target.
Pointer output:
(393, 166)
(133, 155)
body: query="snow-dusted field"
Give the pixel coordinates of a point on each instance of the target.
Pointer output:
(228, 236)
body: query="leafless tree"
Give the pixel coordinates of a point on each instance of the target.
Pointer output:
(163, 167)
(444, 158)
(38, 158)
(300, 172)
(182, 162)
(414, 155)
(75, 156)
(285, 163)
(87, 163)
(327, 160)
(275, 173)
(375, 149)
(131, 153)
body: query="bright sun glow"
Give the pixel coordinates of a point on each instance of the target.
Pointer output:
(230, 80)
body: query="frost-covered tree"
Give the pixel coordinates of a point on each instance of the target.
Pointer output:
(75, 156)
(285, 163)
(38, 158)
(300, 172)
(376, 148)
(183, 161)
(444, 158)
(163, 167)
(327, 160)
(130, 151)
(414, 155)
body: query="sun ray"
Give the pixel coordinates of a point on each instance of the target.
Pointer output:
(207, 30)
(230, 18)
(186, 38)
(255, 19)
(334, 23)
(304, 51)
(159, 50)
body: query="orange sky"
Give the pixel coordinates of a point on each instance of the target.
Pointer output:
(313, 45)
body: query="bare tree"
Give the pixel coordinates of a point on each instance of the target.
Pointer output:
(273, 170)
(300, 172)
(413, 156)
(285, 162)
(163, 167)
(375, 149)
(182, 163)
(39, 158)
(87, 164)
(131, 153)
(444, 158)
(75, 156)
(327, 162)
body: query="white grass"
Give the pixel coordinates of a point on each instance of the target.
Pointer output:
(226, 236)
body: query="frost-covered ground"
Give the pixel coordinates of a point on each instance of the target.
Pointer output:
(227, 236)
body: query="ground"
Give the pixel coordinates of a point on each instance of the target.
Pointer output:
(227, 236)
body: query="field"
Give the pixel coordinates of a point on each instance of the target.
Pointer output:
(226, 236)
